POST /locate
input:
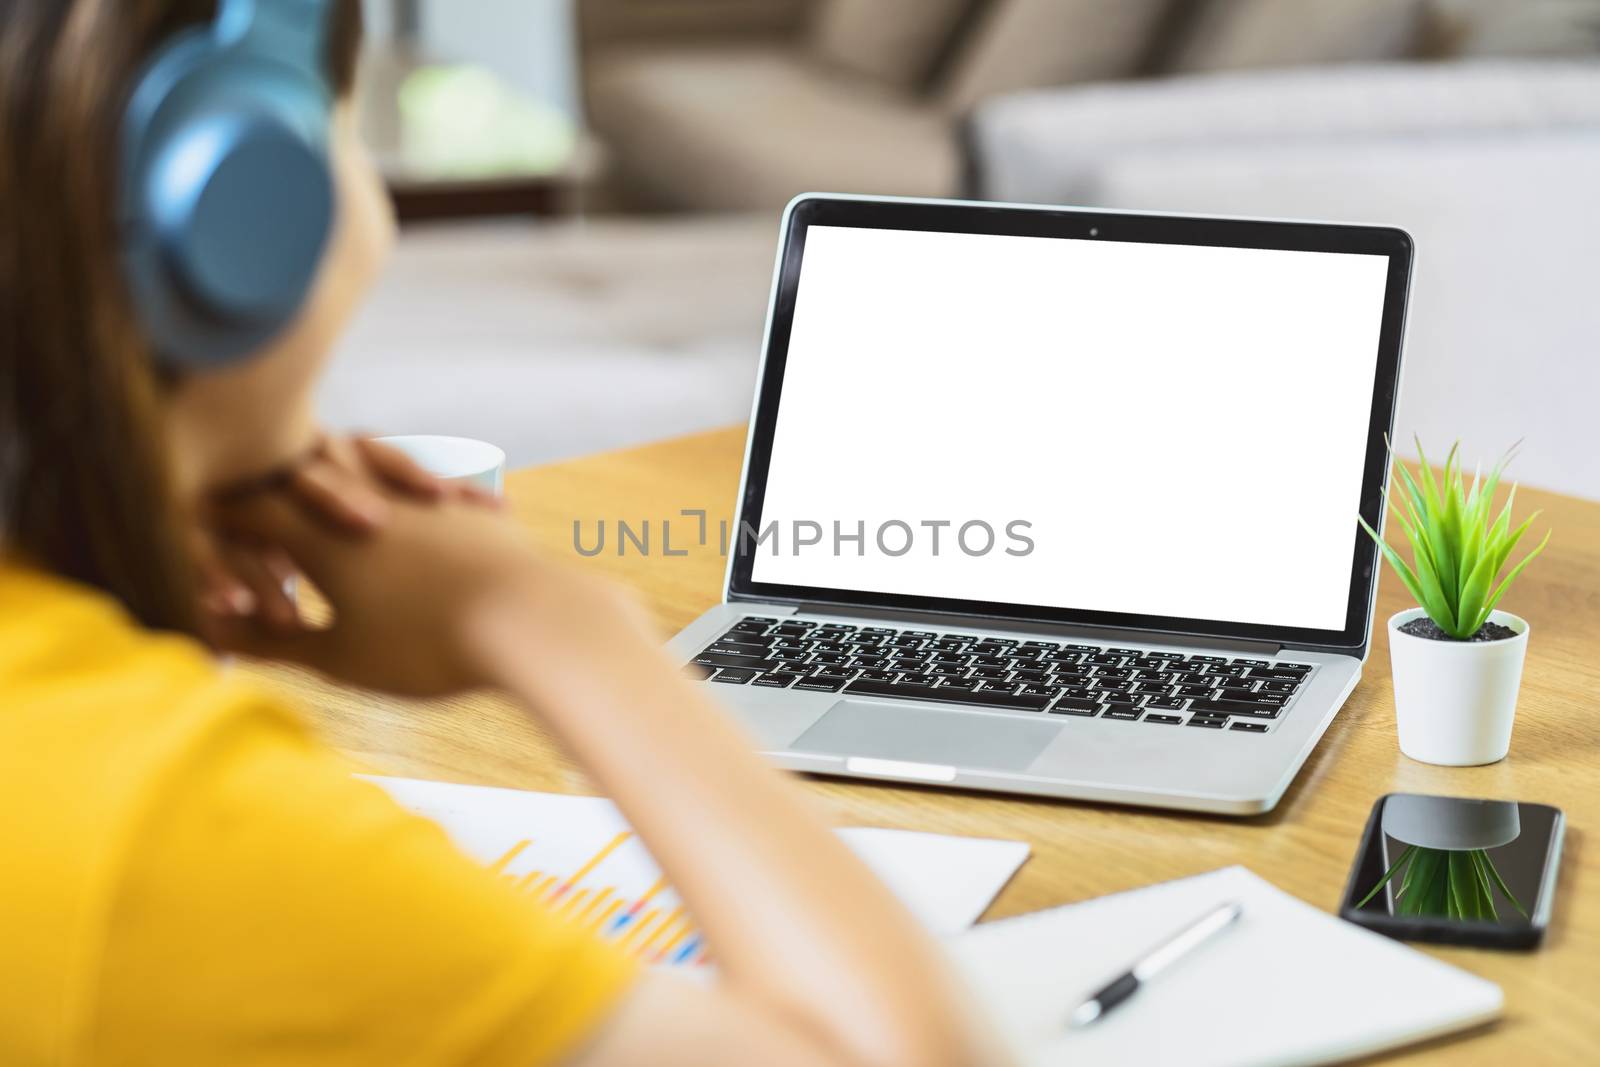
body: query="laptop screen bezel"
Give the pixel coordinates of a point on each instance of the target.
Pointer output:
(1028, 221)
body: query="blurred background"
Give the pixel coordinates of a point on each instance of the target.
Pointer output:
(590, 189)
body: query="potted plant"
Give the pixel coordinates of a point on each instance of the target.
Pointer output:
(1457, 661)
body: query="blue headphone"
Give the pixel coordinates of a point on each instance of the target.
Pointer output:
(227, 198)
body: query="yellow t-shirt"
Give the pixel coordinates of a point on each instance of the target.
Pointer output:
(188, 877)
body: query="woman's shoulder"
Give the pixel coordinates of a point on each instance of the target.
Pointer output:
(97, 713)
(75, 667)
(103, 727)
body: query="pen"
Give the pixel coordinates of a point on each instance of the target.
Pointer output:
(1155, 961)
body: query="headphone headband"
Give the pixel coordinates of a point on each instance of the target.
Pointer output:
(227, 197)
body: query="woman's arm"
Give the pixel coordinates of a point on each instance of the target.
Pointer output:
(813, 949)
(819, 963)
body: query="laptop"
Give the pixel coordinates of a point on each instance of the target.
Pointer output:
(1059, 502)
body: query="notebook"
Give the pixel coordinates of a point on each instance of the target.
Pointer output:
(1288, 984)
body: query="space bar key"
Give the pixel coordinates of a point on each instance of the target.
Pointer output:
(1011, 701)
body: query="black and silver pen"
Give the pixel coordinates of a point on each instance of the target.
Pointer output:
(1155, 961)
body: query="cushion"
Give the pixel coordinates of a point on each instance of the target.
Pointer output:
(748, 128)
(1514, 27)
(1025, 44)
(1247, 34)
(895, 42)
(1053, 145)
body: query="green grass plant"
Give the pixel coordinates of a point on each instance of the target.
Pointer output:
(1459, 545)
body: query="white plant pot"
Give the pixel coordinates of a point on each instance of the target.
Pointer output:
(1454, 701)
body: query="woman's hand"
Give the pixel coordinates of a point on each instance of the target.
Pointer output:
(342, 482)
(408, 592)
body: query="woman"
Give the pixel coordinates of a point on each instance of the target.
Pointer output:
(190, 877)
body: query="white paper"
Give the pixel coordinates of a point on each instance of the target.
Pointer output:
(544, 840)
(1285, 984)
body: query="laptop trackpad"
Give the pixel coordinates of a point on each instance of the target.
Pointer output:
(926, 735)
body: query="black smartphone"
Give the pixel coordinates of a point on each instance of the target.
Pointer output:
(1456, 870)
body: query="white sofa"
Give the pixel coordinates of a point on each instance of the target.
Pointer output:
(1493, 167)
(562, 339)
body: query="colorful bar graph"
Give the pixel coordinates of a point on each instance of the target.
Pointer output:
(659, 933)
(627, 940)
(511, 853)
(673, 918)
(594, 861)
(665, 952)
(628, 917)
(600, 922)
(594, 902)
(573, 902)
(686, 953)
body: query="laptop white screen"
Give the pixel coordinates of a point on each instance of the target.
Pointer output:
(1151, 429)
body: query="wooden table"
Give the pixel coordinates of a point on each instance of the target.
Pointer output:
(1082, 850)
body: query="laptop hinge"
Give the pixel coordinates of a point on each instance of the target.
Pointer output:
(956, 620)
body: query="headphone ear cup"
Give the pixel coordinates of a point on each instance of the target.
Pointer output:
(243, 207)
(227, 200)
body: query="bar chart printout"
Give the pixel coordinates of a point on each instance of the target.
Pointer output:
(578, 856)
(604, 895)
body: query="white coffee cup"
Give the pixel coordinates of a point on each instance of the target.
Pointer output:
(455, 459)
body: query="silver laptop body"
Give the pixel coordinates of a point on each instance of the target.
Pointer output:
(1059, 502)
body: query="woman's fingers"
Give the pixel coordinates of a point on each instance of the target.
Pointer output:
(482, 498)
(241, 581)
(277, 521)
(339, 495)
(267, 572)
(402, 473)
(345, 480)
(221, 591)
(397, 469)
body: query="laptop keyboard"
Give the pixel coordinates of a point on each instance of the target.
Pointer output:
(1000, 674)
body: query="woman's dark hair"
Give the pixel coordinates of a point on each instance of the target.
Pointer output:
(83, 458)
